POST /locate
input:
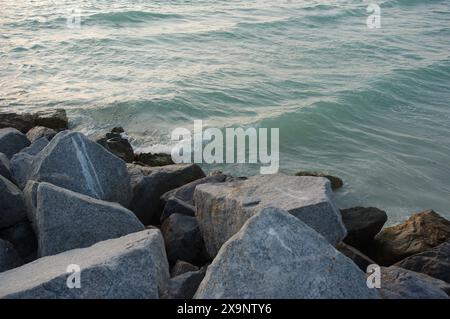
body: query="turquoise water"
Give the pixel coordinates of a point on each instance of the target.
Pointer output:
(369, 105)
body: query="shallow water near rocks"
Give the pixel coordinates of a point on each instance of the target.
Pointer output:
(370, 106)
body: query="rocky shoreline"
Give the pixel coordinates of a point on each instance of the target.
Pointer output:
(140, 226)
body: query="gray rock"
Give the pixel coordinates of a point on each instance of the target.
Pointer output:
(222, 208)
(38, 132)
(9, 258)
(361, 260)
(30, 197)
(133, 266)
(181, 267)
(150, 183)
(184, 286)
(362, 223)
(183, 239)
(12, 141)
(21, 163)
(398, 283)
(23, 238)
(434, 262)
(4, 166)
(66, 220)
(74, 162)
(335, 181)
(12, 204)
(276, 255)
(177, 206)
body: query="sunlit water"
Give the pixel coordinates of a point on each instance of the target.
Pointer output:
(371, 106)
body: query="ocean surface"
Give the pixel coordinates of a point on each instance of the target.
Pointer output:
(369, 105)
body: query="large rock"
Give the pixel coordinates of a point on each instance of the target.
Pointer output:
(38, 132)
(66, 220)
(335, 181)
(21, 163)
(183, 239)
(398, 283)
(222, 208)
(8, 256)
(23, 238)
(12, 141)
(419, 233)
(153, 159)
(184, 286)
(12, 204)
(74, 162)
(53, 118)
(4, 166)
(434, 262)
(150, 183)
(133, 266)
(117, 145)
(276, 255)
(362, 223)
(181, 199)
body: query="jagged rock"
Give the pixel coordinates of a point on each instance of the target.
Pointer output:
(149, 183)
(434, 262)
(66, 220)
(118, 129)
(153, 159)
(54, 118)
(335, 181)
(74, 162)
(421, 232)
(133, 266)
(276, 255)
(23, 238)
(21, 163)
(9, 258)
(183, 239)
(30, 197)
(4, 166)
(38, 132)
(185, 285)
(362, 223)
(118, 145)
(12, 204)
(222, 208)
(398, 283)
(12, 141)
(181, 267)
(177, 206)
(361, 260)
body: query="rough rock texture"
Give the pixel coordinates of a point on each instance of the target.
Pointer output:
(12, 204)
(276, 255)
(434, 262)
(362, 223)
(222, 208)
(398, 283)
(30, 197)
(38, 132)
(12, 141)
(23, 238)
(361, 260)
(183, 239)
(133, 266)
(53, 118)
(185, 285)
(118, 145)
(66, 220)
(149, 183)
(176, 206)
(4, 166)
(74, 162)
(8, 256)
(21, 163)
(181, 267)
(422, 231)
(335, 181)
(153, 159)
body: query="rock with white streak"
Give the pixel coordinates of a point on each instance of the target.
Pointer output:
(67, 220)
(276, 255)
(74, 162)
(133, 266)
(222, 208)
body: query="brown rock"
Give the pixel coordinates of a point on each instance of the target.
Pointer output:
(336, 182)
(421, 232)
(153, 159)
(54, 118)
